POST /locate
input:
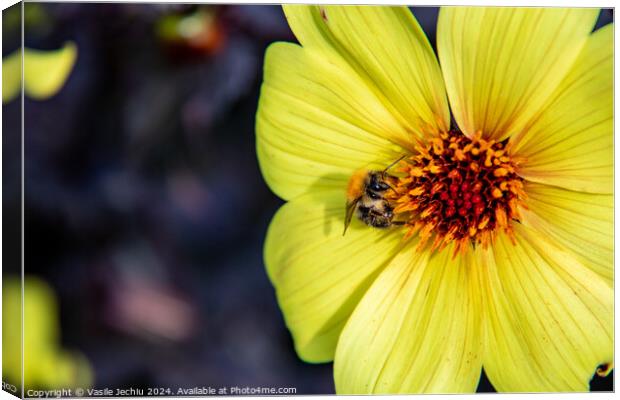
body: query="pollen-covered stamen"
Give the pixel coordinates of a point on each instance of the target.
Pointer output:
(459, 190)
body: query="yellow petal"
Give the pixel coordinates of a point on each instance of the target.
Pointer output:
(316, 124)
(318, 273)
(387, 48)
(418, 329)
(46, 365)
(570, 142)
(501, 64)
(11, 76)
(45, 72)
(12, 331)
(549, 319)
(59, 369)
(579, 222)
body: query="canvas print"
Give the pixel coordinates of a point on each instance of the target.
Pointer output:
(298, 199)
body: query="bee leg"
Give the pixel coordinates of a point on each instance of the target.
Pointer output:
(398, 223)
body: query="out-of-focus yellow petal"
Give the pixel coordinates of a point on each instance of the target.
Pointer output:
(316, 124)
(318, 273)
(11, 76)
(502, 64)
(387, 48)
(46, 364)
(549, 319)
(418, 329)
(45, 72)
(11, 331)
(58, 369)
(582, 223)
(570, 142)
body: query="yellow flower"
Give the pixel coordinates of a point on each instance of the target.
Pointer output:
(46, 364)
(521, 285)
(45, 72)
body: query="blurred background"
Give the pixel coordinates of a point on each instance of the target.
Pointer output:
(145, 211)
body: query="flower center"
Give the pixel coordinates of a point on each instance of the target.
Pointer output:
(457, 189)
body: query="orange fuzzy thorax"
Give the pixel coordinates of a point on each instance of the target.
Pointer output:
(355, 187)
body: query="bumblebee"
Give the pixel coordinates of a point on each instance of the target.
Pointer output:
(366, 198)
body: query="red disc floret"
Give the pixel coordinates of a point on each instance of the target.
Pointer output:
(457, 189)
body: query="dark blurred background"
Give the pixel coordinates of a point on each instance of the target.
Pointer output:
(144, 205)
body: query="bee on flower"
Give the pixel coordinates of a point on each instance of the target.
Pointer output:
(489, 244)
(367, 197)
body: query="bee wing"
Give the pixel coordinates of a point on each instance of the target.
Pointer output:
(349, 214)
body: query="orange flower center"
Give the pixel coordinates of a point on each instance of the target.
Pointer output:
(457, 189)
